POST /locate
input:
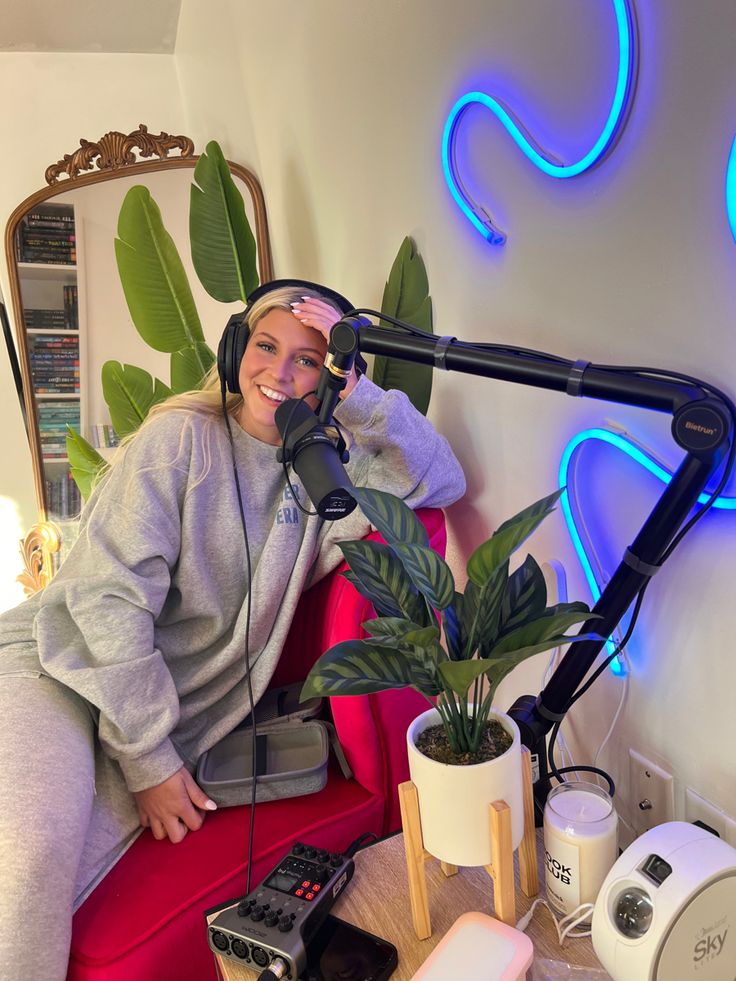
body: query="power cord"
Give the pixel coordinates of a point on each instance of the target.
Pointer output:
(360, 842)
(554, 770)
(565, 925)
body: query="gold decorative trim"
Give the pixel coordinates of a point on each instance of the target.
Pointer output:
(115, 150)
(37, 548)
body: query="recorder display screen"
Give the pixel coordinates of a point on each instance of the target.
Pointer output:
(282, 881)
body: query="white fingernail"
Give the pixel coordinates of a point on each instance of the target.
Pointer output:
(210, 805)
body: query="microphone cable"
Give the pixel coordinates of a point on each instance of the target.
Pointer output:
(249, 570)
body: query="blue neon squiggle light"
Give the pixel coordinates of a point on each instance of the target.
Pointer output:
(731, 189)
(626, 31)
(644, 460)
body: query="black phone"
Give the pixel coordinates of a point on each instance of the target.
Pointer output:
(340, 951)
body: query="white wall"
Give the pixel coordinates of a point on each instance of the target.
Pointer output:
(339, 109)
(51, 101)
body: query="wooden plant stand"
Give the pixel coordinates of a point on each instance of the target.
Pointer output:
(502, 869)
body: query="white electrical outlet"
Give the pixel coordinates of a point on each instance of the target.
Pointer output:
(652, 793)
(697, 808)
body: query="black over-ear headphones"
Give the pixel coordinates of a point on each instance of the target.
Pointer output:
(235, 337)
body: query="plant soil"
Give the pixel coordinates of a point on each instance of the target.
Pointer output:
(433, 742)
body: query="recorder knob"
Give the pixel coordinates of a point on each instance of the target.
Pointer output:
(271, 919)
(285, 924)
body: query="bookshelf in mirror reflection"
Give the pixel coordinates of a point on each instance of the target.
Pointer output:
(46, 250)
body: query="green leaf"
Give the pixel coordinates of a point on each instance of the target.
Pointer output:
(499, 667)
(187, 365)
(467, 607)
(524, 597)
(460, 675)
(395, 629)
(394, 520)
(484, 628)
(406, 296)
(542, 507)
(223, 246)
(552, 611)
(355, 667)
(454, 633)
(429, 573)
(130, 392)
(85, 462)
(154, 281)
(382, 579)
(507, 538)
(539, 631)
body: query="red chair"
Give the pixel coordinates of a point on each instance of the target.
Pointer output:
(145, 921)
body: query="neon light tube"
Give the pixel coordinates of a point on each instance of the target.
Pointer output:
(644, 460)
(625, 78)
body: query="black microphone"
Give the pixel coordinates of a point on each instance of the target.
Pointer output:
(341, 353)
(316, 458)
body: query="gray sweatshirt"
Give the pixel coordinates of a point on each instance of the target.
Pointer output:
(146, 619)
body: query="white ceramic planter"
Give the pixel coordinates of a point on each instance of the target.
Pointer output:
(453, 800)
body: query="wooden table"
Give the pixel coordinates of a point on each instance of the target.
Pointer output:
(377, 900)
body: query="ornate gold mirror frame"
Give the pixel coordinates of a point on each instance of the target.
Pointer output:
(113, 156)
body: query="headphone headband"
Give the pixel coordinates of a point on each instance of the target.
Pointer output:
(342, 303)
(233, 342)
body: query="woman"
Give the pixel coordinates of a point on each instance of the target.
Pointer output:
(130, 664)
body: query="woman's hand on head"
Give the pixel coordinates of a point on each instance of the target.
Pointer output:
(322, 316)
(174, 807)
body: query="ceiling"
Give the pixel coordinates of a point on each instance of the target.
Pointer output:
(102, 26)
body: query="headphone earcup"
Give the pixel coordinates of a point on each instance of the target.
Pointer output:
(230, 352)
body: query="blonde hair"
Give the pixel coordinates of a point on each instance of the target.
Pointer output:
(207, 400)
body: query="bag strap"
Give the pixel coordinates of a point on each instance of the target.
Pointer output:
(337, 749)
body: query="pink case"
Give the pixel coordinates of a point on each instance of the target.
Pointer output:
(477, 946)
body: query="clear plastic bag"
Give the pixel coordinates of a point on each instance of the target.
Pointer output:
(544, 969)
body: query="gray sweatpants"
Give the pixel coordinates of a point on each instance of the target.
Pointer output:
(66, 817)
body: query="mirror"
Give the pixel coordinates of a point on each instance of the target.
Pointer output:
(68, 304)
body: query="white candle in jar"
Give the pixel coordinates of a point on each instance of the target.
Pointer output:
(580, 843)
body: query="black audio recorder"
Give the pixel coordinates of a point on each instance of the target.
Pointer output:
(269, 929)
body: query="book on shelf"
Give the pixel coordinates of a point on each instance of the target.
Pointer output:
(104, 436)
(71, 306)
(41, 319)
(47, 235)
(55, 363)
(63, 213)
(55, 419)
(62, 496)
(55, 342)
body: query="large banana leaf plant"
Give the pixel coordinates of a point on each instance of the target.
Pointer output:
(430, 637)
(162, 307)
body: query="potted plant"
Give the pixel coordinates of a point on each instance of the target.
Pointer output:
(454, 648)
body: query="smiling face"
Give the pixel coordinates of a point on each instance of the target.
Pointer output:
(282, 360)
